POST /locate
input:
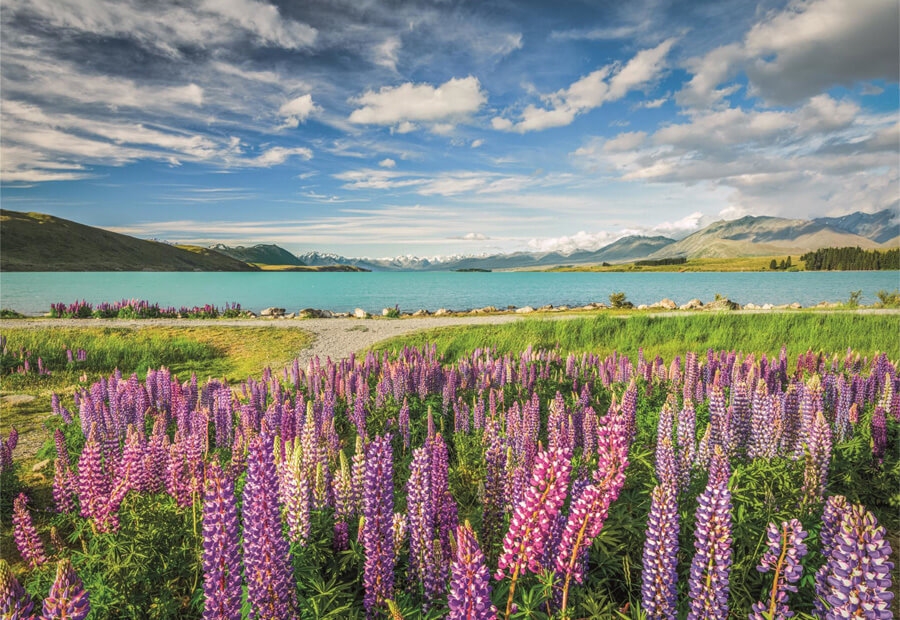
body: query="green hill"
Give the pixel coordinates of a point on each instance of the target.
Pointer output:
(38, 242)
(261, 254)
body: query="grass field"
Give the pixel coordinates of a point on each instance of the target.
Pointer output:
(670, 336)
(745, 263)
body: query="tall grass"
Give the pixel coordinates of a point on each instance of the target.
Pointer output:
(670, 336)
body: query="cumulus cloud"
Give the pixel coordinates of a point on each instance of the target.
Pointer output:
(297, 110)
(609, 83)
(473, 236)
(387, 163)
(802, 51)
(825, 154)
(477, 143)
(405, 105)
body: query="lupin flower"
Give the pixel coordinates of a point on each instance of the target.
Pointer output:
(221, 553)
(470, 589)
(27, 540)
(377, 531)
(785, 550)
(15, 603)
(659, 587)
(711, 566)
(420, 507)
(68, 600)
(270, 585)
(879, 433)
(818, 460)
(832, 514)
(495, 490)
(533, 517)
(858, 570)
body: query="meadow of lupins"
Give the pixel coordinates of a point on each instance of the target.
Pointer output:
(526, 486)
(140, 309)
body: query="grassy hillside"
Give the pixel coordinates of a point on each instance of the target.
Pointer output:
(749, 263)
(38, 242)
(260, 254)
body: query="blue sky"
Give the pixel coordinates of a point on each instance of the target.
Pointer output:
(386, 128)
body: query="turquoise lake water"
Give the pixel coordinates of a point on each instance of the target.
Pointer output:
(32, 293)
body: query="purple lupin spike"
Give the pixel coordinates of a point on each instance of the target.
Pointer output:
(15, 603)
(817, 460)
(420, 508)
(832, 514)
(470, 589)
(27, 540)
(785, 550)
(711, 566)
(495, 490)
(659, 578)
(879, 433)
(267, 566)
(221, 553)
(377, 531)
(68, 600)
(858, 570)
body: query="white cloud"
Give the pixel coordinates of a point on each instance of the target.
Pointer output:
(168, 28)
(473, 236)
(402, 106)
(609, 83)
(823, 156)
(297, 110)
(387, 52)
(653, 103)
(387, 163)
(278, 155)
(802, 51)
(477, 143)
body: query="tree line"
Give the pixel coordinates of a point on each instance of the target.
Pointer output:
(851, 259)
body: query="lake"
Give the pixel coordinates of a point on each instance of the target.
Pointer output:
(32, 293)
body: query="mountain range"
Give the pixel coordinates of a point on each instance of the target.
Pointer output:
(38, 242)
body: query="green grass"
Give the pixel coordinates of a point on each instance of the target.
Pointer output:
(671, 336)
(233, 353)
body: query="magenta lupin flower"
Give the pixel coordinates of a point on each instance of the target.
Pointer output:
(267, 565)
(15, 603)
(858, 570)
(533, 517)
(27, 540)
(470, 588)
(711, 566)
(68, 600)
(221, 553)
(659, 577)
(377, 531)
(94, 486)
(785, 550)
(63, 497)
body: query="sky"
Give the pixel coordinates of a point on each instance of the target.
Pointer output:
(379, 129)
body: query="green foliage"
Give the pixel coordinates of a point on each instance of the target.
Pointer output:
(853, 300)
(852, 259)
(889, 299)
(671, 336)
(6, 313)
(617, 300)
(393, 313)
